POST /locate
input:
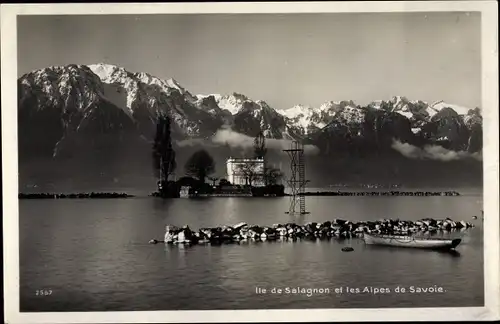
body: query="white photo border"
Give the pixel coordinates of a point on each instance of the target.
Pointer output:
(489, 88)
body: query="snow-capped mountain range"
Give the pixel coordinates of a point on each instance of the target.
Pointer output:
(418, 112)
(63, 104)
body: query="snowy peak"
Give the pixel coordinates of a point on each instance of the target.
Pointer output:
(335, 106)
(473, 118)
(67, 87)
(351, 115)
(209, 104)
(306, 119)
(301, 118)
(297, 111)
(235, 102)
(264, 107)
(416, 111)
(232, 103)
(108, 73)
(240, 96)
(60, 75)
(251, 117)
(237, 107)
(174, 84)
(399, 101)
(439, 105)
(139, 86)
(112, 74)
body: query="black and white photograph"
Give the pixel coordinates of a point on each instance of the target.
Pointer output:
(172, 159)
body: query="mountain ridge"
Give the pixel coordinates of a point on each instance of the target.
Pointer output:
(142, 96)
(78, 110)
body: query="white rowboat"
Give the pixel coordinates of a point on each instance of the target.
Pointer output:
(411, 241)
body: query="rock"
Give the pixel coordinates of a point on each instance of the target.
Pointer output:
(239, 226)
(205, 233)
(181, 238)
(169, 237)
(252, 234)
(347, 249)
(310, 227)
(170, 228)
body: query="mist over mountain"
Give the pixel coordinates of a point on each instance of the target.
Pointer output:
(92, 126)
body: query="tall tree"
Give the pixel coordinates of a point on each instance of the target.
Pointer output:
(200, 165)
(259, 146)
(163, 153)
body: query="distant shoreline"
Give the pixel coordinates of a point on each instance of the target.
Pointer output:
(92, 195)
(382, 193)
(115, 195)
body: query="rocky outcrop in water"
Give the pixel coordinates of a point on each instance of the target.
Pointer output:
(337, 228)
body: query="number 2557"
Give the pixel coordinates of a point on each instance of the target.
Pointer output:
(44, 292)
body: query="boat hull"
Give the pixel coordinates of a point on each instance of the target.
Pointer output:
(411, 242)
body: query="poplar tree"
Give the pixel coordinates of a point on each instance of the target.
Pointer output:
(163, 152)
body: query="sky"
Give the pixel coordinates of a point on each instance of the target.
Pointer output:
(283, 59)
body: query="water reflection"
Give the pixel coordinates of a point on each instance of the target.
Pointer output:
(402, 250)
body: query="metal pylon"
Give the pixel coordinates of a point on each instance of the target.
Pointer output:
(297, 181)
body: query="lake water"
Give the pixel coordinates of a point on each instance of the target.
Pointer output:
(93, 255)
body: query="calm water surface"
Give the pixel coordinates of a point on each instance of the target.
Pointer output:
(94, 256)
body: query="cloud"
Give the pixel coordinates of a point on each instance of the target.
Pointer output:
(238, 140)
(432, 152)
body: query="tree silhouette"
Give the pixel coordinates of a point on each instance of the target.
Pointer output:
(250, 171)
(224, 182)
(259, 146)
(213, 179)
(200, 165)
(163, 154)
(272, 176)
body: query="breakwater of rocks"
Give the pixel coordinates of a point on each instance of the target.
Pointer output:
(91, 195)
(383, 193)
(337, 228)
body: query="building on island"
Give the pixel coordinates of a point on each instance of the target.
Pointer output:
(243, 172)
